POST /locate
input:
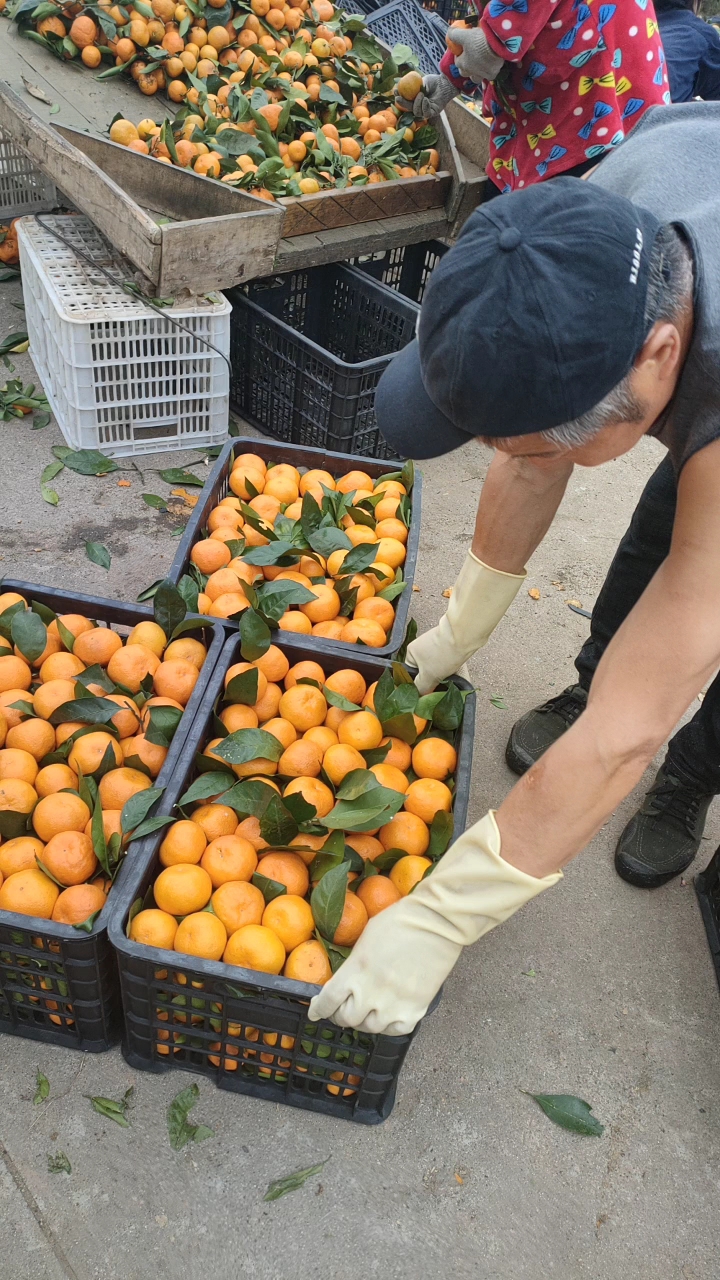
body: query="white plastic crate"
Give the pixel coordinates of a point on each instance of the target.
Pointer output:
(119, 375)
(23, 189)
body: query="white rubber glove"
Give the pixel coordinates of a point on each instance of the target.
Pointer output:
(406, 952)
(433, 98)
(477, 61)
(480, 598)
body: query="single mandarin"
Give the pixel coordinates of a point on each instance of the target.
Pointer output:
(186, 649)
(70, 857)
(149, 634)
(267, 707)
(352, 922)
(405, 831)
(326, 605)
(89, 752)
(15, 763)
(399, 755)
(361, 729)
(322, 736)
(367, 846)
(304, 706)
(388, 776)
(239, 716)
(238, 903)
(49, 697)
(55, 777)
(376, 893)
(408, 872)
(61, 666)
(335, 717)
(117, 786)
(434, 758)
(15, 673)
(288, 869)
(216, 820)
(254, 946)
(314, 791)
(249, 829)
(365, 629)
(182, 889)
(340, 760)
(19, 854)
(308, 963)
(239, 668)
(306, 670)
(78, 903)
(307, 846)
(184, 841)
(97, 646)
(60, 813)
(353, 481)
(302, 759)
(349, 684)
(229, 858)
(34, 735)
(273, 664)
(147, 753)
(127, 720)
(283, 730)
(376, 610)
(111, 821)
(29, 893)
(176, 678)
(427, 796)
(293, 620)
(201, 934)
(291, 918)
(130, 666)
(154, 928)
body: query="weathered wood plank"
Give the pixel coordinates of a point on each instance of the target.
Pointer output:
(128, 227)
(352, 242)
(471, 133)
(364, 204)
(217, 253)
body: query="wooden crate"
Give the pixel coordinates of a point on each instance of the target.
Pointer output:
(215, 238)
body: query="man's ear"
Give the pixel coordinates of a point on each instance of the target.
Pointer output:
(661, 353)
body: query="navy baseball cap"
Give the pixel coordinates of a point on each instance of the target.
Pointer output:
(528, 322)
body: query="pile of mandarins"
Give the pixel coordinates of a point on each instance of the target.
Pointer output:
(281, 97)
(205, 901)
(56, 769)
(272, 493)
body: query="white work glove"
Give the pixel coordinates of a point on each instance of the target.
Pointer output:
(477, 61)
(406, 952)
(433, 98)
(480, 598)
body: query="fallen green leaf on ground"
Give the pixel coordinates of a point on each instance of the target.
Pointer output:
(59, 1163)
(43, 1088)
(99, 554)
(569, 1112)
(180, 1130)
(113, 1110)
(498, 701)
(292, 1182)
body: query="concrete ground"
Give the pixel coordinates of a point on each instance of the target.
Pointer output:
(596, 989)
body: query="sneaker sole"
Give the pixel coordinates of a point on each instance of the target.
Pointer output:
(646, 880)
(518, 763)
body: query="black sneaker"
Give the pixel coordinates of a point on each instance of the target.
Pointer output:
(663, 837)
(534, 732)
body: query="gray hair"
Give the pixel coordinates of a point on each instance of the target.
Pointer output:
(670, 286)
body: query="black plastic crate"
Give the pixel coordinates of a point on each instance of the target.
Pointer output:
(216, 488)
(707, 887)
(406, 269)
(231, 1009)
(307, 350)
(58, 984)
(405, 22)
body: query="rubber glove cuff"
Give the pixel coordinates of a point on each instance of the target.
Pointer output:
(480, 598)
(477, 61)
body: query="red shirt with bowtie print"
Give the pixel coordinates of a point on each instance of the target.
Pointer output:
(578, 76)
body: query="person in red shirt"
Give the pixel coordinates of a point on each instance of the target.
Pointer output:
(564, 81)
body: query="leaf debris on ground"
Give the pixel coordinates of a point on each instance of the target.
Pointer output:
(498, 701)
(43, 1088)
(292, 1182)
(569, 1112)
(59, 1163)
(447, 593)
(534, 593)
(36, 92)
(113, 1110)
(99, 554)
(180, 1130)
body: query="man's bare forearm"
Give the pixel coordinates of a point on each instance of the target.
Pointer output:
(517, 505)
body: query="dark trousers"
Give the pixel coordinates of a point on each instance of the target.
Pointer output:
(695, 749)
